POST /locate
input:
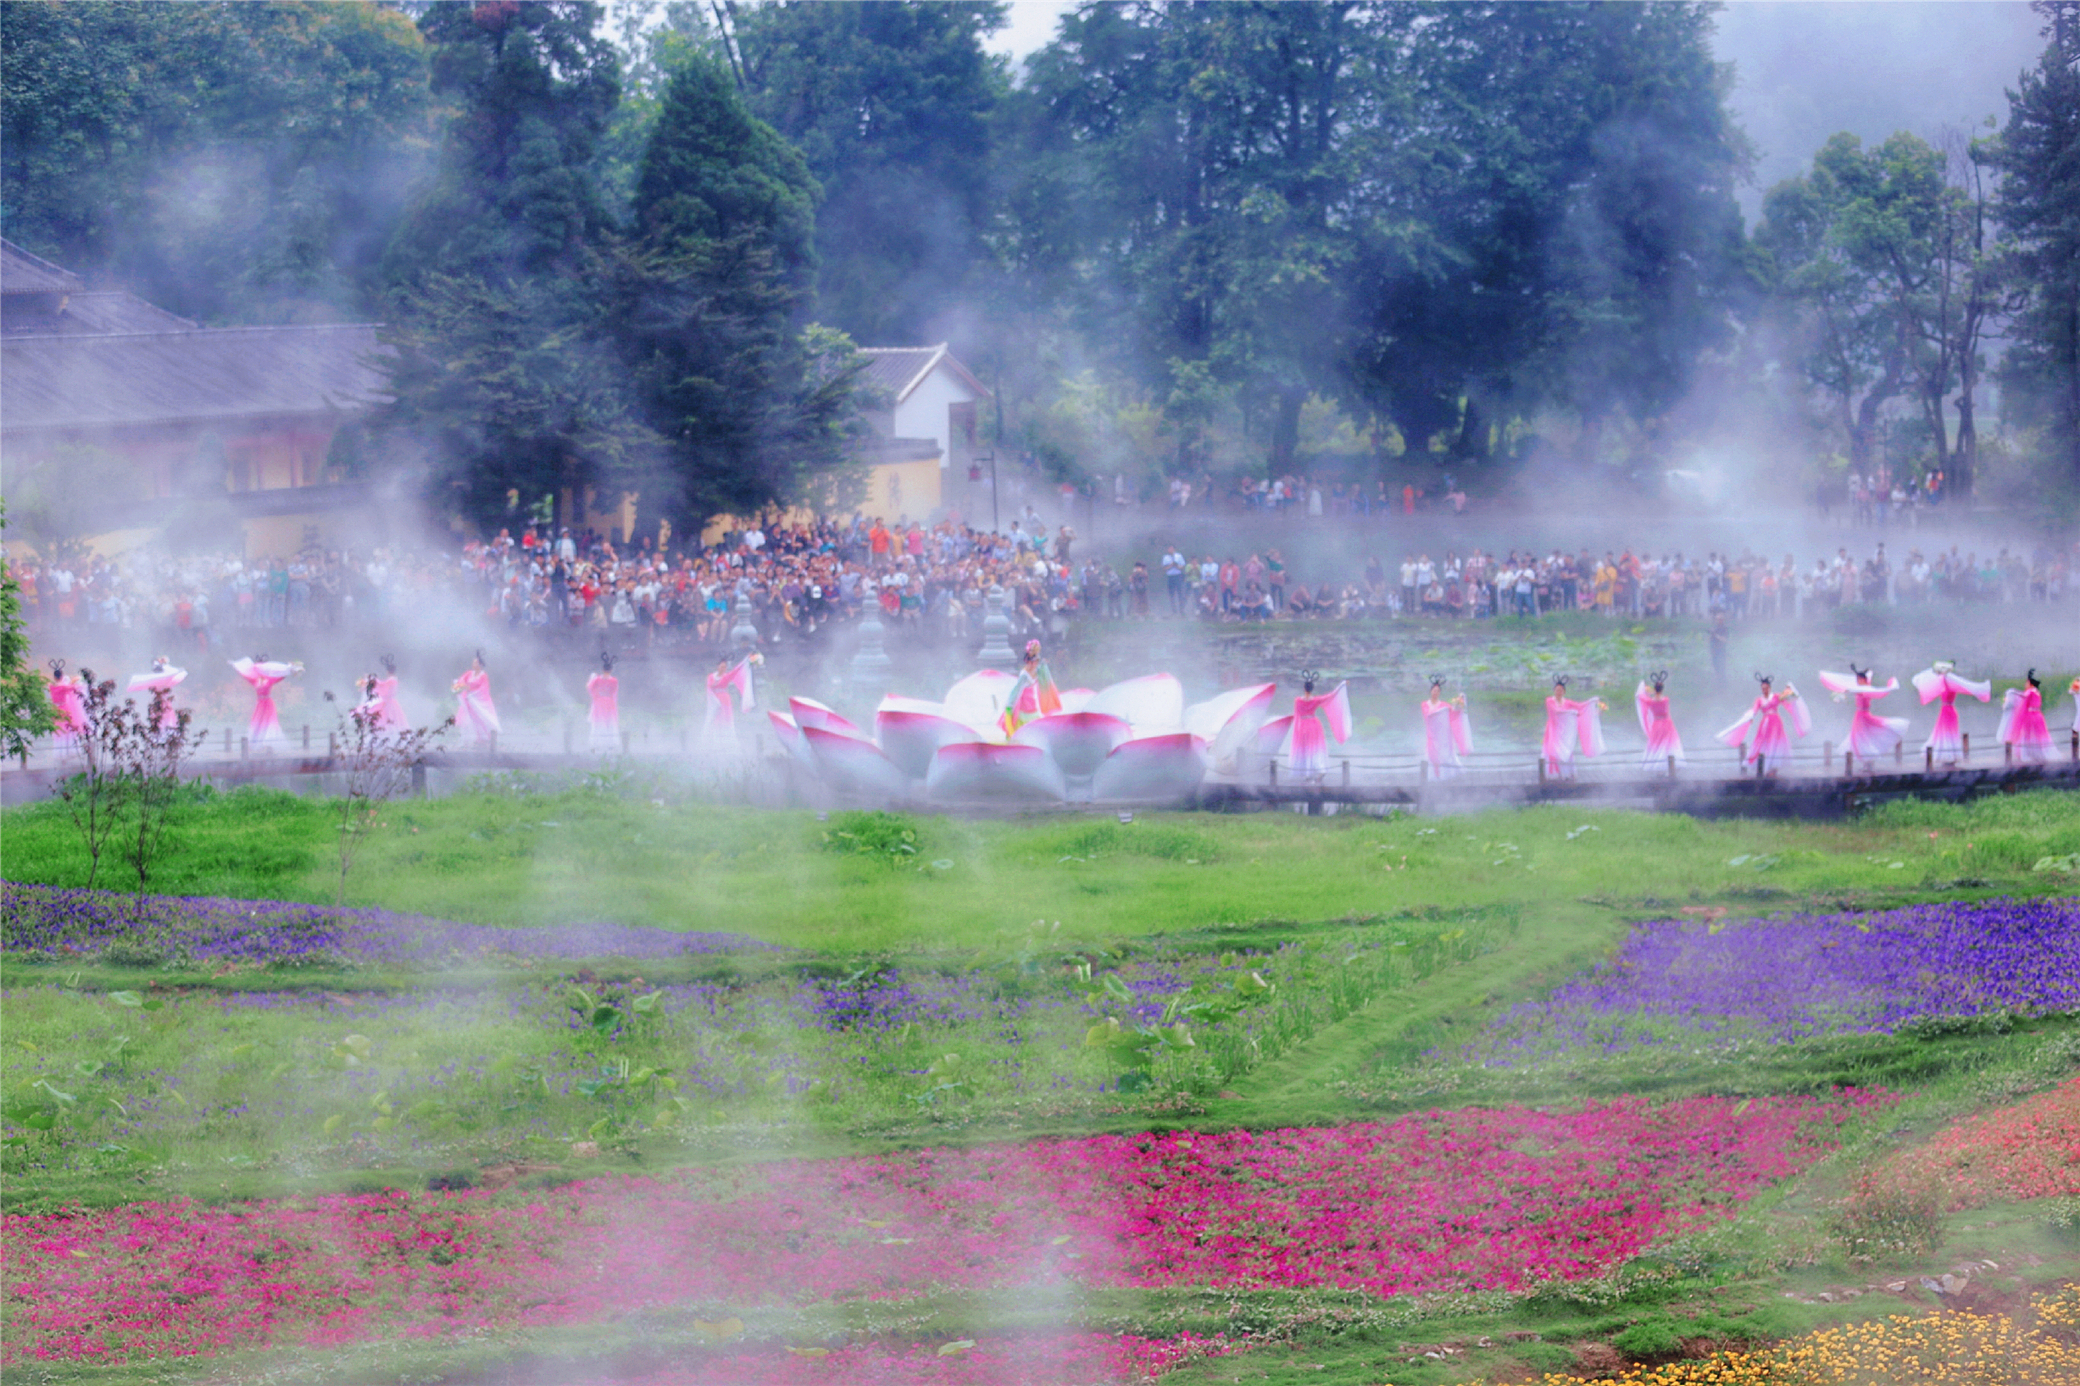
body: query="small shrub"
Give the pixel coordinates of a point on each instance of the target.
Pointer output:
(1657, 1337)
(1890, 1216)
(885, 837)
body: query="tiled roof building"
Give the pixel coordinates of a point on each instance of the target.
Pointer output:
(107, 370)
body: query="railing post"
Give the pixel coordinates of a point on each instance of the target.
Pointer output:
(332, 744)
(2007, 753)
(1966, 758)
(418, 779)
(1827, 757)
(1928, 760)
(1346, 773)
(1272, 766)
(306, 736)
(1848, 762)
(245, 748)
(1671, 767)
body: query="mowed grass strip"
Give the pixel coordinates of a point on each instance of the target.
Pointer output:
(878, 882)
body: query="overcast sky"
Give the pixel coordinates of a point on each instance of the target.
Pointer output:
(1814, 67)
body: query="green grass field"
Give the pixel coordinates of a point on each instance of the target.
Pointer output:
(513, 855)
(1388, 943)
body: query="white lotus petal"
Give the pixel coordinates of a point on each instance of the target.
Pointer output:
(980, 770)
(1152, 767)
(1153, 703)
(979, 699)
(1078, 741)
(810, 713)
(911, 739)
(856, 766)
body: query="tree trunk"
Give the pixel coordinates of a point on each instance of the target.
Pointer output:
(1473, 433)
(1285, 428)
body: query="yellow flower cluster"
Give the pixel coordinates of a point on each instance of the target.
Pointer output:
(1942, 1349)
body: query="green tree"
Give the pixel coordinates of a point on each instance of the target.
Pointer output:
(240, 162)
(716, 281)
(26, 711)
(506, 366)
(891, 106)
(2039, 206)
(1851, 244)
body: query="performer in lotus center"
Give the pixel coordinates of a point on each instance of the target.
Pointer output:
(1570, 722)
(1446, 733)
(1650, 699)
(1772, 743)
(163, 678)
(264, 732)
(1032, 695)
(1870, 735)
(475, 712)
(605, 691)
(2022, 722)
(1940, 681)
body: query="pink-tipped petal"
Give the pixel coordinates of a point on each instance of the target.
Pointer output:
(1078, 741)
(979, 770)
(1154, 703)
(810, 713)
(978, 700)
(855, 766)
(911, 739)
(1152, 767)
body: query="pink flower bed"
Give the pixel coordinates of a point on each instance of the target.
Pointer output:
(2030, 1150)
(1471, 1199)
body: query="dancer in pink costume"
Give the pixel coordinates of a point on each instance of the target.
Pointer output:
(379, 700)
(720, 729)
(1940, 680)
(265, 730)
(1446, 735)
(68, 694)
(1772, 743)
(475, 712)
(163, 678)
(1310, 711)
(2022, 722)
(605, 692)
(1870, 735)
(1570, 721)
(1654, 720)
(2074, 689)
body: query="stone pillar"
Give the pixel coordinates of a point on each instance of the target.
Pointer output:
(996, 652)
(744, 635)
(870, 662)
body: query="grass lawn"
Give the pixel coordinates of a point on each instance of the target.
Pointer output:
(515, 856)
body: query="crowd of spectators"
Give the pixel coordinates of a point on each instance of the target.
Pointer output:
(792, 582)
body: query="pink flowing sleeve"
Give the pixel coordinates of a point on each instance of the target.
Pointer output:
(1462, 731)
(1929, 684)
(1840, 683)
(1795, 709)
(2011, 711)
(1982, 690)
(1639, 705)
(1590, 727)
(1337, 710)
(1738, 732)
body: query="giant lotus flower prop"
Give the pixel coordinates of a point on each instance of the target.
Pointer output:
(1134, 741)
